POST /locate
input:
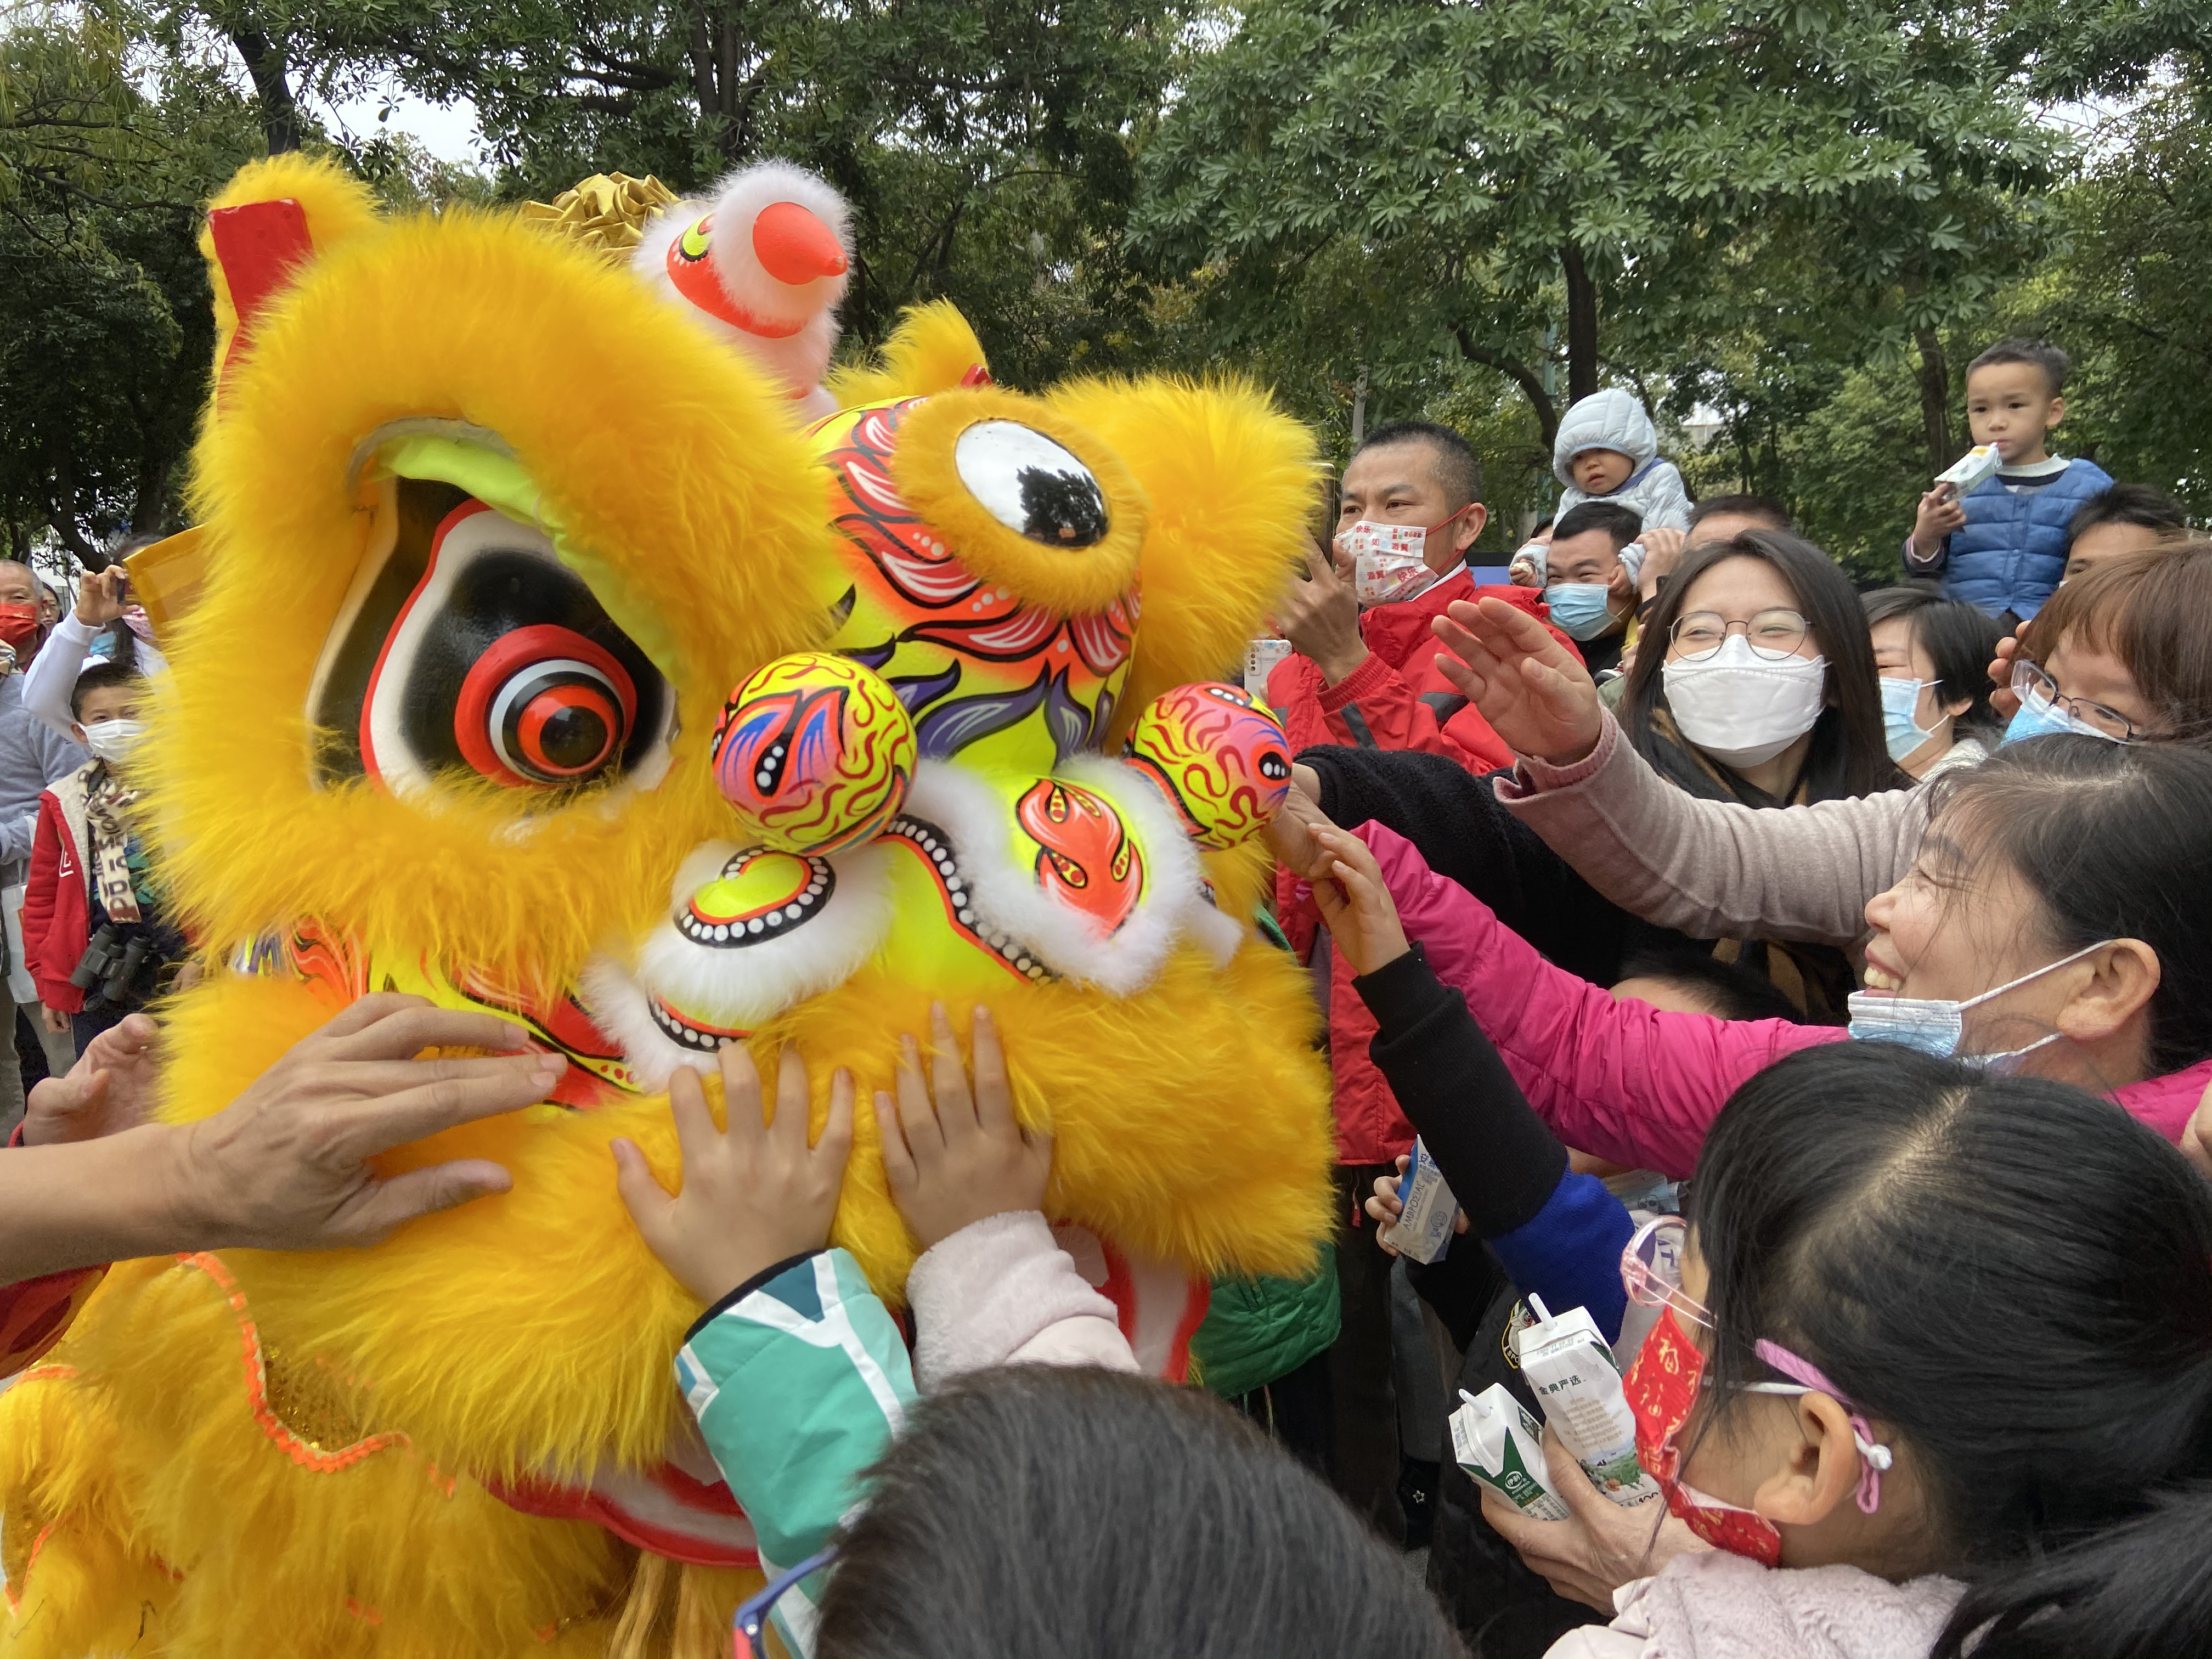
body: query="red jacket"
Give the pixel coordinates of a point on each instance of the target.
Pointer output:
(1395, 700)
(58, 901)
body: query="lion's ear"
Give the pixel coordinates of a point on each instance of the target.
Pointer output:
(265, 226)
(933, 349)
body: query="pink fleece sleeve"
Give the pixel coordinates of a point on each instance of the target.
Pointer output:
(1619, 1079)
(1001, 1292)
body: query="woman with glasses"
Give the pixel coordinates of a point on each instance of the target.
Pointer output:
(2123, 654)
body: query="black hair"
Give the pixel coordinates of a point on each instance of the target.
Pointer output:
(1542, 525)
(2110, 838)
(1764, 508)
(1458, 469)
(1729, 990)
(2014, 1281)
(1960, 641)
(1037, 1510)
(1849, 755)
(2054, 363)
(1622, 525)
(2128, 503)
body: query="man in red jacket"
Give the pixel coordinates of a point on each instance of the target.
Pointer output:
(1363, 673)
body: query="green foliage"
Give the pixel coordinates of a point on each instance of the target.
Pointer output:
(107, 154)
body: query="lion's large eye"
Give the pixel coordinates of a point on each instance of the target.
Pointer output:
(1030, 485)
(474, 651)
(544, 707)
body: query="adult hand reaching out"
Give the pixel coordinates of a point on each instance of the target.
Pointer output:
(284, 1166)
(110, 1088)
(1601, 1547)
(1536, 696)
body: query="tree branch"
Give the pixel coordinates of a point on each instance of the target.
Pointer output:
(1530, 382)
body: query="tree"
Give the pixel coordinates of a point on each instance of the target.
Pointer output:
(1620, 178)
(106, 156)
(988, 150)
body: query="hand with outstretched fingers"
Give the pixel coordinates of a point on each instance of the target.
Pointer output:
(962, 1155)
(1535, 696)
(285, 1166)
(753, 1194)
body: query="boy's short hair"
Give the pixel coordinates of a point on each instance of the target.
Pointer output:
(1761, 509)
(2128, 503)
(1622, 525)
(2054, 363)
(1458, 468)
(1728, 989)
(99, 677)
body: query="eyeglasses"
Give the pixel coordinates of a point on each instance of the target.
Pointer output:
(2040, 692)
(1772, 634)
(1651, 1269)
(752, 1613)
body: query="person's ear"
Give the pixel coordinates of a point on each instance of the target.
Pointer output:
(1470, 527)
(2057, 413)
(2123, 978)
(1821, 1470)
(82, 741)
(1951, 711)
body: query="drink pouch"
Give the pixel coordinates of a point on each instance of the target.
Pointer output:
(1577, 1381)
(1423, 1230)
(1260, 657)
(1971, 469)
(1497, 1442)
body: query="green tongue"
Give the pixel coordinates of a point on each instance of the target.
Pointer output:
(499, 480)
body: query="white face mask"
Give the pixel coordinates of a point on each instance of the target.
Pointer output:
(113, 740)
(1387, 560)
(1741, 708)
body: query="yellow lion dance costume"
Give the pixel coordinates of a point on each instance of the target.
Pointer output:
(492, 529)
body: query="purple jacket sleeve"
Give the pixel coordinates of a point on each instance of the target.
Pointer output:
(1618, 1079)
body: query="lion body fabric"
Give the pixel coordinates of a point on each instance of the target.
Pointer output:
(491, 530)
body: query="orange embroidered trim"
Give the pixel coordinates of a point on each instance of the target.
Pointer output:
(14, 1586)
(304, 1452)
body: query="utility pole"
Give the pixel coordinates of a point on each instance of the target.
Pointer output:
(1360, 407)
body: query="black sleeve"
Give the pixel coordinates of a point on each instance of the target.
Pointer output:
(1502, 1162)
(1463, 833)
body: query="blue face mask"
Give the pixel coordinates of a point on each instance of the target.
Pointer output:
(1936, 1026)
(2049, 722)
(1900, 700)
(1582, 609)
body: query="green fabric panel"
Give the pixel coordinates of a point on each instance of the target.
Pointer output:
(1259, 1329)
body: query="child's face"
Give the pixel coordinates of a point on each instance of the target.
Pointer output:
(106, 704)
(2013, 406)
(1600, 471)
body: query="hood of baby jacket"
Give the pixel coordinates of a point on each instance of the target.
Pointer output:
(1611, 419)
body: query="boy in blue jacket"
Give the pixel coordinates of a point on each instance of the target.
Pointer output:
(2003, 546)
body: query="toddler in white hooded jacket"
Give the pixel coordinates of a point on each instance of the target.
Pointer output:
(1609, 451)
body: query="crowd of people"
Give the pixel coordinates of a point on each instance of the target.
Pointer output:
(1812, 986)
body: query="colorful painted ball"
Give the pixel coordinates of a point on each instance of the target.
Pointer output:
(814, 753)
(1219, 754)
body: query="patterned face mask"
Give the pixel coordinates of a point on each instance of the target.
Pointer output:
(1389, 561)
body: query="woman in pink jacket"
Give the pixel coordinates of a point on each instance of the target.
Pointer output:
(2056, 922)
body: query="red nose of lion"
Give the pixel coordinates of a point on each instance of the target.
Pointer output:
(794, 247)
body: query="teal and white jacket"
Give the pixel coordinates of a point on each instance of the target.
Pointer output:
(800, 1379)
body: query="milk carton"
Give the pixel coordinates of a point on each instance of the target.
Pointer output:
(1576, 1380)
(1971, 469)
(1423, 1230)
(1497, 1442)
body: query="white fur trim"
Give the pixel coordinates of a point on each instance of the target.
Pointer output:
(799, 360)
(1007, 893)
(741, 987)
(992, 1291)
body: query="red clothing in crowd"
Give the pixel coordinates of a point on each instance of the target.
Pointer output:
(1393, 700)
